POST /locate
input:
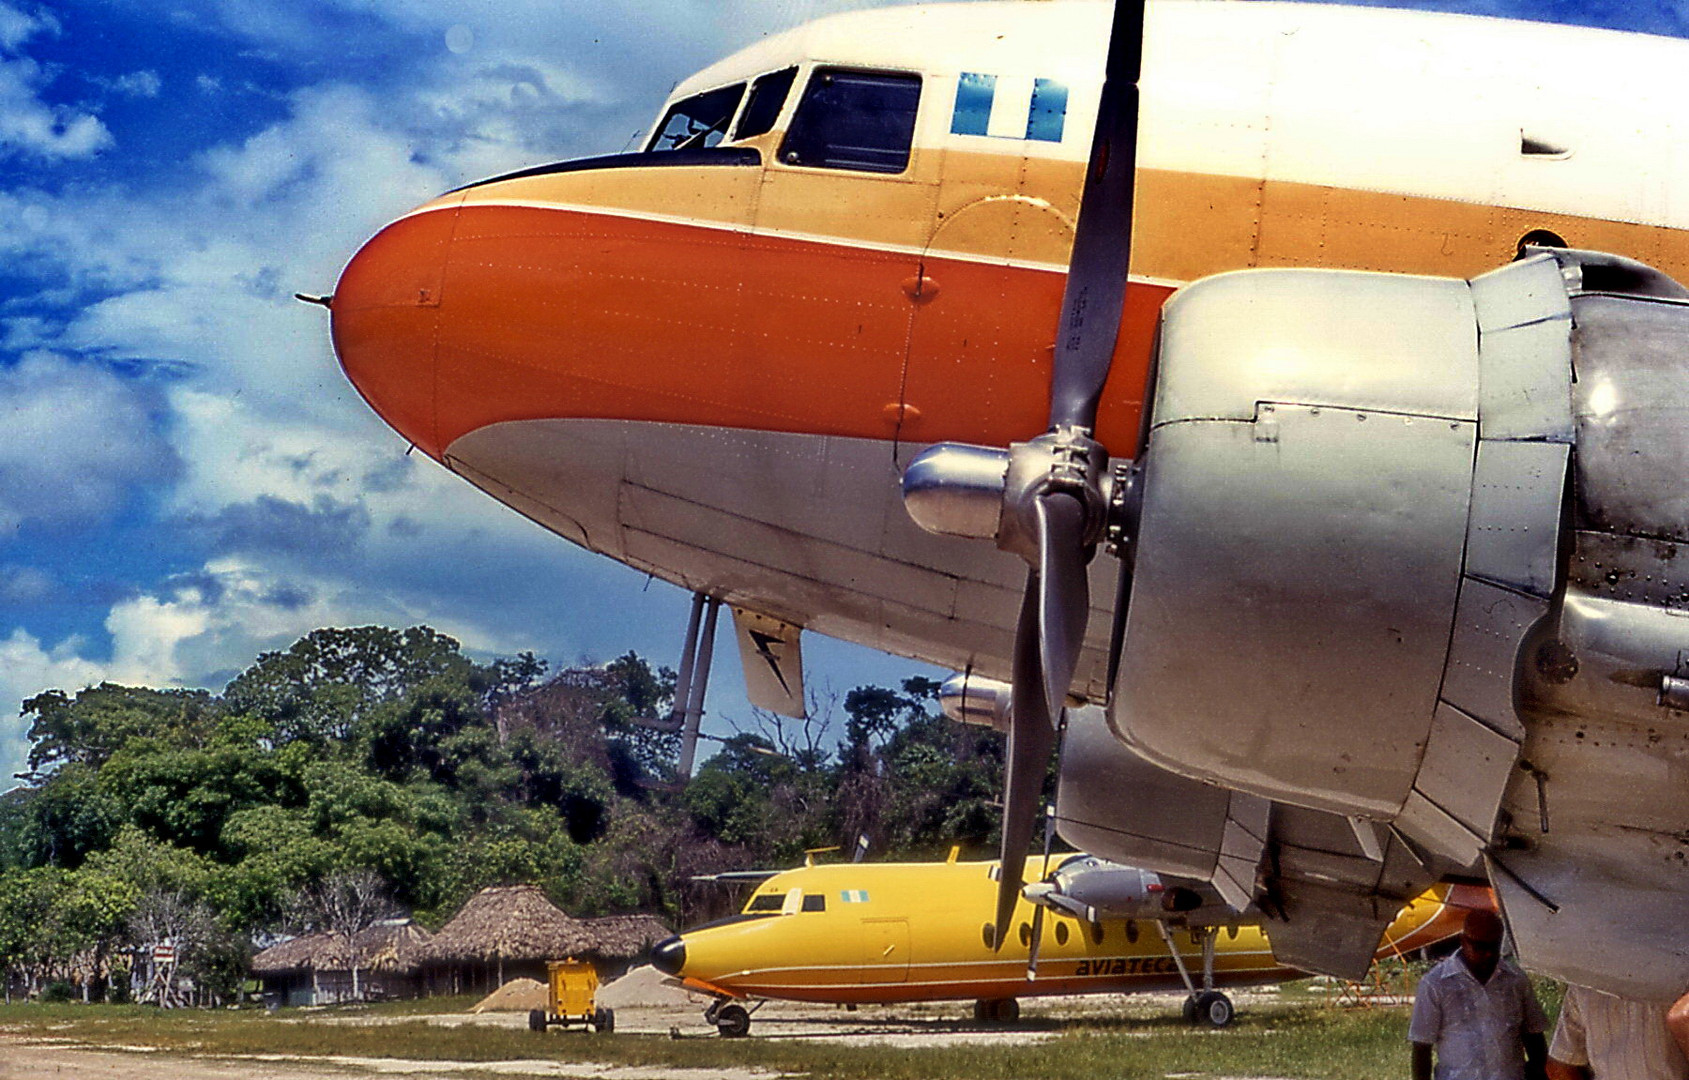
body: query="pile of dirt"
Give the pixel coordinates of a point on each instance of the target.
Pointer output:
(517, 995)
(644, 988)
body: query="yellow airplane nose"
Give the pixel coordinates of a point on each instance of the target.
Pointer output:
(669, 955)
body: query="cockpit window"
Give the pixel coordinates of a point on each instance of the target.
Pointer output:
(699, 121)
(861, 120)
(770, 902)
(768, 94)
(815, 902)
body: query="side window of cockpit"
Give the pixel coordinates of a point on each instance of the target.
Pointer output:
(698, 121)
(862, 120)
(768, 94)
(814, 902)
(770, 902)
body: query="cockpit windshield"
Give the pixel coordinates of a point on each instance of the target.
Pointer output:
(699, 121)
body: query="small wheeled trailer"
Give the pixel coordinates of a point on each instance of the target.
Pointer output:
(572, 999)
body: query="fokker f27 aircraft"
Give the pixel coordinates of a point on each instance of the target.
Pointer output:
(882, 933)
(1385, 437)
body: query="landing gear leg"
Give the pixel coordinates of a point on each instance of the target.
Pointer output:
(1207, 1005)
(730, 1018)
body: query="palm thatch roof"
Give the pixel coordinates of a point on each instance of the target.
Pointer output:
(517, 922)
(388, 946)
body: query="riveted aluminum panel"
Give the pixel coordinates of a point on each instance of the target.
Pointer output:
(1490, 626)
(1363, 341)
(1292, 602)
(1632, 407)
(1525, 382)
(1248, 819)
(1514, 534)
(1114, 804)
(1464, 774)
(1428, 824)
(1614, 930)
(1519, 293)
(1332, 931)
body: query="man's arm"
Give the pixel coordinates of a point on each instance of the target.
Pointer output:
(1421, 1061)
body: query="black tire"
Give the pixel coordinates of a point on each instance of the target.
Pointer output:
(1190, 1008)
(982, 1011)
(997, 1011)
(733, 1022)
(536, 1019)
(604, 1021)
(1214, 1009)
(1008, 1011)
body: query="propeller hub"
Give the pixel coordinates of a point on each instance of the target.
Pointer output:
(1066, 461)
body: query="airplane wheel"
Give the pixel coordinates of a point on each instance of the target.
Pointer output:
(1190, 1009)
(997, 1011)
(604, 1021)
(1214, 1009)
(536, 1019)
(733, 1022)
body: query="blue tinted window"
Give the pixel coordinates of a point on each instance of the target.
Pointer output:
(1049, 111)
(974, 93)
(854, 120)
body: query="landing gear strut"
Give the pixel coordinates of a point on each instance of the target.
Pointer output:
(1208, 1005)
(730, 1018)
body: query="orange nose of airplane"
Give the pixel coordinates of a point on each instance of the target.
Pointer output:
(385, 322)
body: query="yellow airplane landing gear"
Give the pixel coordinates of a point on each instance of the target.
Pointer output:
(730, 1018)
(997, 1011)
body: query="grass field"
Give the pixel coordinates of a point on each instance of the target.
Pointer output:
(1296, 1039)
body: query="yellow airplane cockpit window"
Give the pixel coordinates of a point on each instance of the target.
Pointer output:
(766, 902)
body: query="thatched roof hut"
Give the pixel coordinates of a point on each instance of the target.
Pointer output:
(517, 922)
(393, 946)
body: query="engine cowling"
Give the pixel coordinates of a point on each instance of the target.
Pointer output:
(1350, 524)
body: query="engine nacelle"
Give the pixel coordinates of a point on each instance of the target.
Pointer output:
(1351, 513)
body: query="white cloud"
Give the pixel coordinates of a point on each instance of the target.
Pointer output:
(26, 669)
(141, 84)
(74, 440)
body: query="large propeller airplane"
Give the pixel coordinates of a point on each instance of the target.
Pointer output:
(1384, 431)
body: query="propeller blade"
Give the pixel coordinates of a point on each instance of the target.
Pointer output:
(1064, 599)
(1038, 911)
(1031, 737)
(1102, 241)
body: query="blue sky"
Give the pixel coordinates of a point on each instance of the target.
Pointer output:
(185, 476)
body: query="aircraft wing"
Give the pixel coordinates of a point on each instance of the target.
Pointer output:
(737, 877)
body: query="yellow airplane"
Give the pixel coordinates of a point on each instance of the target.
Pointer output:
(881, 933)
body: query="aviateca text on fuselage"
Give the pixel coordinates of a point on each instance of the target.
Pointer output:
(1397, 515)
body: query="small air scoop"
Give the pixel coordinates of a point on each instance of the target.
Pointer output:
(324, 301)
(1538, 147)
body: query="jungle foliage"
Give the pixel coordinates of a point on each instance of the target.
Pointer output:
(390, 752)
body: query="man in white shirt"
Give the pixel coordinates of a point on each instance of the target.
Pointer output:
(1602, 1037)
(1477, 1013)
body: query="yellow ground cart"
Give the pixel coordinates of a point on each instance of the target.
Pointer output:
(572, 999)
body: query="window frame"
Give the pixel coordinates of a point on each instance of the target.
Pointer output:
(812, 79)
(672, 109)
